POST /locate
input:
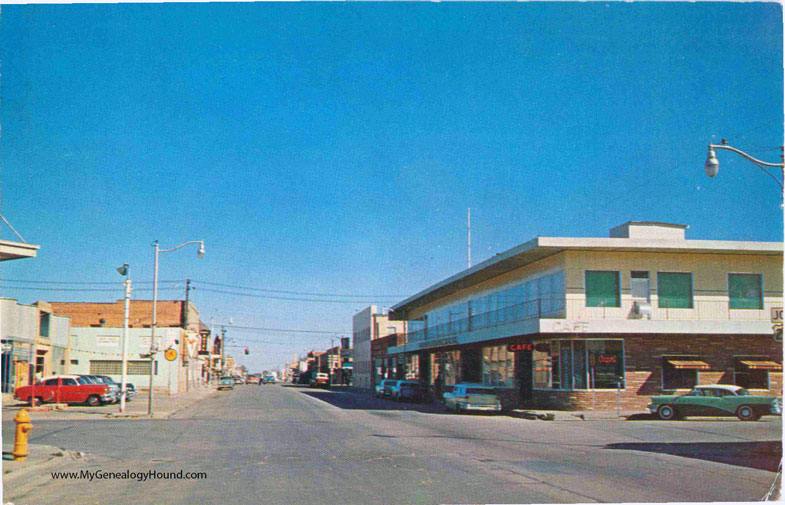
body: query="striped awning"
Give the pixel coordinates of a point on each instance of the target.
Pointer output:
(691, 365)
(762, 365)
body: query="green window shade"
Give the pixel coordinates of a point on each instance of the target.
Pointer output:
(744, 291)
(674, 290)
(602, 289)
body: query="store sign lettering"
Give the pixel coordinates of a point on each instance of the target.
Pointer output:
(571, 327)
(606, 359)
(520, 347)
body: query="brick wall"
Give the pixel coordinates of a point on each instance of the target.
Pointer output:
(168, 313)
(643, 364)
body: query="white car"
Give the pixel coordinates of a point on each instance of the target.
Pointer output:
(384, 386)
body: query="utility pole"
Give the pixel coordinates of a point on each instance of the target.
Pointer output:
(186, 310)
(223, 350)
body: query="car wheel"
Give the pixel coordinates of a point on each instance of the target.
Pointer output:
(93, 400)
(34, 402)
(667, 413)
(746, 413)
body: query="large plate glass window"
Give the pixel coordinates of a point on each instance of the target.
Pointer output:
(745, 291)
(674, 290)
(578, 364)
(602, 289)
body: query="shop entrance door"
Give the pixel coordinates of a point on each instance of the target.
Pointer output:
(524, 375)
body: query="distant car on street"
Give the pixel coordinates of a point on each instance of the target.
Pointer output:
(407, 390)
(467, 397)
(268, 379)
(320, 380)
(226, 383)
(715, 400)
(252, 379)
(237, 379)
(384, 388)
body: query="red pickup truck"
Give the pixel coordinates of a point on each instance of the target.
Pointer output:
(64, 389)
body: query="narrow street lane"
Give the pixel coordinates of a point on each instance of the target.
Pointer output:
(282, 444)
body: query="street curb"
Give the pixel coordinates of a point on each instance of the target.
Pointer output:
(57, 455)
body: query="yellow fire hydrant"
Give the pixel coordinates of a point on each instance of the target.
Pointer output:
(23, 427)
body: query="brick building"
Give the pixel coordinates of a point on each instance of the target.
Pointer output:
(96, 343)
(570, 323)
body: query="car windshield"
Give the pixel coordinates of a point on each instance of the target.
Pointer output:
(742, 392)
(479, 391)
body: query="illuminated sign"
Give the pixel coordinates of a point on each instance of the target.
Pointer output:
(520, 347)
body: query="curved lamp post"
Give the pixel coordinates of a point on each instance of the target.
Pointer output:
(153, 350)
(712, 165)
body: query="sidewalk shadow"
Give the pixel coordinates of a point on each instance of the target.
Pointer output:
(757, 455)
(359, 401)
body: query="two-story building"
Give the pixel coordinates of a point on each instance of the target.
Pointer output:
(367, 325)
(579, 323)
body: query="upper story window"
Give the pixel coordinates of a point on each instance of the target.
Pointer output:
(674, 290)
(745, 291)
(44, 324)
(602, 289)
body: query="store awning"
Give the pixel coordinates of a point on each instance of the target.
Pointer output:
(762, 365)
(688, 365)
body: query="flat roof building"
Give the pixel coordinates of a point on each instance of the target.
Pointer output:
(565, 321)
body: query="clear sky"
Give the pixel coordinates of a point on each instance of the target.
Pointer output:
(334, 148)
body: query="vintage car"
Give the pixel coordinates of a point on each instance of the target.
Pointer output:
(130, 388)
(114, 389)
(466, 397)
(384, 388)
(225, 383)
(715, 400)
(65, 389)
(252, 379)
(320, 380)
(268, 379)
(408, 390)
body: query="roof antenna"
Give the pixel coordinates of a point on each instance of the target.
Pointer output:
(469, 235)
(12, 228)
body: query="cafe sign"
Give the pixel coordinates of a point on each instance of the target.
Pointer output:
(519, 347)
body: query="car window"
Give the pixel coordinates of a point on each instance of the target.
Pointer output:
(50, 382)
(742, 392)
(82, 380)
(725, 392)
(69, 382)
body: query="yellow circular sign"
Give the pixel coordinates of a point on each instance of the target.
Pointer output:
(170, 355)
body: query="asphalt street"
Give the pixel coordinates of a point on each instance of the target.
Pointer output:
(279, 444)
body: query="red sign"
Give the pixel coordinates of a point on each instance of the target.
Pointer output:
(519, 347)
(606, 359)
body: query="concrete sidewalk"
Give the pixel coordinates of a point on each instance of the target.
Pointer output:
(164, 406)
(41, 458)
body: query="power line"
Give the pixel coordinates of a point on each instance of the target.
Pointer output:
(326, 332)
(84, 283)
(265, 290)
(120, 288)
(285, 298)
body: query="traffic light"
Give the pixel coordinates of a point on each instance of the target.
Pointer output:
(246, 350)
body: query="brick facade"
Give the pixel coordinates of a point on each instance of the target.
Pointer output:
(168, 313)
(643, 369)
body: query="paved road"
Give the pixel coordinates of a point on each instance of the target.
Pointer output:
(282, 445)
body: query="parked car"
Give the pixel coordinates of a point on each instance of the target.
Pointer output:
(226, 383)
(320, 380)
(383, 387)
(237, 379)
(407, 390)
(268, 379)
(252, 379)
(715, 400)
(466, 397)
(130, 389)
(113, 388)
(65, 389)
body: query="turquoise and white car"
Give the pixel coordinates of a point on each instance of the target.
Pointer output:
(466, 397)
(715, 400)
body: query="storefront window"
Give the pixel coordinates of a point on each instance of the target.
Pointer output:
(497, 366)
(680, 372)
(578, 364)
(412, 367)
(446, 367)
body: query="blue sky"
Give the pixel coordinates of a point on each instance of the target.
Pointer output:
(335, 147)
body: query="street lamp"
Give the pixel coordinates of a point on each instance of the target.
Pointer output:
(712, 165)
(153, 350)
(125, 270)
